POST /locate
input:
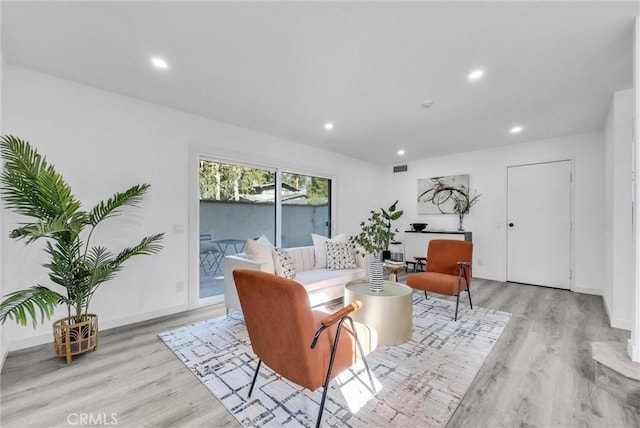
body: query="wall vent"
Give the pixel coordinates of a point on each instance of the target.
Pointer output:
(400, 168)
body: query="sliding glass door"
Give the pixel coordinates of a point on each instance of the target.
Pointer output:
(240, 202)
(306, 208)
(235, 205)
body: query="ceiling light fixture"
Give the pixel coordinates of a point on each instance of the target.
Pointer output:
(427, 103)
(400, 152)
(476, 74)
(328, 126)
(159, 63)
(516, 129)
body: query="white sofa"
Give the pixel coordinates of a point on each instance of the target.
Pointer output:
(322, 284)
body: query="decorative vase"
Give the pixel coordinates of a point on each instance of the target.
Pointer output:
(376, 270)
(460, 226)
(72, 338)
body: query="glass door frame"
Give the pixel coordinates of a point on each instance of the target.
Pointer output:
(197, 153)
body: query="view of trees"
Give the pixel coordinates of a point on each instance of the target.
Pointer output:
(225, 182)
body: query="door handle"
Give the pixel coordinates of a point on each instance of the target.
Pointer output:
(510, 224)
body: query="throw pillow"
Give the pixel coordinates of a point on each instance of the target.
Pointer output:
(259, 251)
(320, 249)
(284, 265)
(340, 256)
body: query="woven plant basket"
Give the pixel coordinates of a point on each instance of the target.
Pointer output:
(71, 338)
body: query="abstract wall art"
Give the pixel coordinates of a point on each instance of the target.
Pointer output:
(437, 195)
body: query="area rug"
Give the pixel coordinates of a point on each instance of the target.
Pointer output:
(419, 383)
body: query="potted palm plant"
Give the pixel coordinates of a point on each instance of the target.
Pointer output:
(374, 238)
(31, 187)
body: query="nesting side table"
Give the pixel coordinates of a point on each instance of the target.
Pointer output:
(394, 269)
(389, 311)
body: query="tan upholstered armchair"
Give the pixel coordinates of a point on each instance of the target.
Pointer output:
(448, 270)
(307, 347)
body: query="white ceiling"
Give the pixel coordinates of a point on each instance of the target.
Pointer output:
(285, 69)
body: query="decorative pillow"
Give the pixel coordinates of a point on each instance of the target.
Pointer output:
(340, 256)
(259, 251)
(320, 249)
(284, 265)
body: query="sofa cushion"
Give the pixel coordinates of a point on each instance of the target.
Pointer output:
(320, 248)
(322, 285)
(283, 263)
(303, 257)
(316, 279)
(340, 256)
(260, 251)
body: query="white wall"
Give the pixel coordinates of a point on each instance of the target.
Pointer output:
(607, 294)
(3, 350)
(633, 345)
(487, 219)
(619, 261)
(102, 143)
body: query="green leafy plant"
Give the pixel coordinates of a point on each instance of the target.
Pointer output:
(376, 234)
(32, 187)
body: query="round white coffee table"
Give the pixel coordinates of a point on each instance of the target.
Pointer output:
(389, 311)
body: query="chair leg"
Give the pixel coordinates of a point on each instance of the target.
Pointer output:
(425, 295)
(455, 318)
(364, 360)
(334, 351)
(255, 376)
(325, 389)
(469, 293)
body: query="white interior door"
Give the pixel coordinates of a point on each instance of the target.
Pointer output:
(539, 224)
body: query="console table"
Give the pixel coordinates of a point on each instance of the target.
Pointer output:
(416, 243)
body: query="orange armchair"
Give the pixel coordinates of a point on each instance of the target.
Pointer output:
(307, 347)
(448, 270)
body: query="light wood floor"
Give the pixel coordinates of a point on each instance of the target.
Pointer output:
(540, 373)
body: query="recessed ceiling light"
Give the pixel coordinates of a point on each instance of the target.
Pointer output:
(328, 126)
(159, 63)
(516, 129)
(476, 74)
(400, 152)
(426, 103)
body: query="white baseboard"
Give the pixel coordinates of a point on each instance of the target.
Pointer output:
(490, 277)
(28, 342)
(143, 317)
(584, 290)
(4, 358)
(606, 307)
(621, 323)
(40, 339)
(633, 351)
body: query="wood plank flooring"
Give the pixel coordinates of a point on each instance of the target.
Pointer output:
(540, 374)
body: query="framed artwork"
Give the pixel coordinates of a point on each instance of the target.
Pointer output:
(437, 195)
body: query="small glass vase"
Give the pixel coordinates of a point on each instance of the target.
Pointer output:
(460, 220)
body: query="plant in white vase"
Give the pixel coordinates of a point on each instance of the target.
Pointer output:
(374, 238)
(462, 201)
